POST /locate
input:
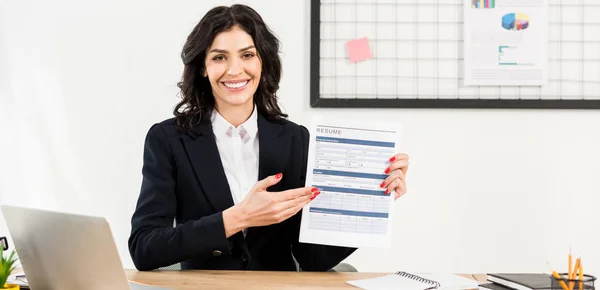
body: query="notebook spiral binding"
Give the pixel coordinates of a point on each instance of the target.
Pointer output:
(434, 284)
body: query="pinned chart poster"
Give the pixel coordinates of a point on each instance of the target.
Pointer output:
(506, 42)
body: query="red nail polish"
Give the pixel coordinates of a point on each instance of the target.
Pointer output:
(387, 191)
(278, 175)
(382, 184)
(392, 159)
(387, 170)
(314, 189)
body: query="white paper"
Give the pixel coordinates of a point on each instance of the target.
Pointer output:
(347, 162)
(389, 282)
(393, 281)
(506, 42)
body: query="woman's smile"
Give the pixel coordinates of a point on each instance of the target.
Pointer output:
(235, 85)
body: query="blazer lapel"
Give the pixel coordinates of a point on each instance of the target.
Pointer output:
(274, 149)
(204, 157)
(274, 153)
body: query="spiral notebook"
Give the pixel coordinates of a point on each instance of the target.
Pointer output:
(408, 281)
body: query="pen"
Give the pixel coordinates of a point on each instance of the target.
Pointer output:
(580, 274)
(570, 271)
(574, 274)
(562, 283)
(557, 277)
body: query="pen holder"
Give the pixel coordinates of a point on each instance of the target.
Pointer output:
(587, 283)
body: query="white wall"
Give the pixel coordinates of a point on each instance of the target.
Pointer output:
(80, 84)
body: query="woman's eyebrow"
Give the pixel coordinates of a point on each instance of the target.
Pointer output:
(225, 51)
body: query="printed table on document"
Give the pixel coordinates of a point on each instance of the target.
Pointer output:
(348, 173)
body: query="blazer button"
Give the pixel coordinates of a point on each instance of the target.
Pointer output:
(244, 258)
(217, 253)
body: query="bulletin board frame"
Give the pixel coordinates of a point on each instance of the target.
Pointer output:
(318, 101)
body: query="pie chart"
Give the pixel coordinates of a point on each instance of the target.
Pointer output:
(515, 21)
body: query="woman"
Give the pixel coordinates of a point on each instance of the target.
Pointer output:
(229, 167)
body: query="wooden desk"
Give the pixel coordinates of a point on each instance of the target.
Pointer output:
(251, 280)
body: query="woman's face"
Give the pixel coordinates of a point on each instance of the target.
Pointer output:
(233, 68)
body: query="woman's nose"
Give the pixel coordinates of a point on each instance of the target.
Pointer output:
(234, 68)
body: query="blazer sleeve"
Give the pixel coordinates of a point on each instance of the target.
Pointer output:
(313, 257)
(154, 241)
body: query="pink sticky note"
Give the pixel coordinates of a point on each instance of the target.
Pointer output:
(358, 49)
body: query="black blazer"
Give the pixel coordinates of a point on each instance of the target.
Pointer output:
(183, 180)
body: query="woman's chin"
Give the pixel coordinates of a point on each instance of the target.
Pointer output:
(238, 101)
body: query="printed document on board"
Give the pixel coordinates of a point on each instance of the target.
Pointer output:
(347, 162)
(506, 42)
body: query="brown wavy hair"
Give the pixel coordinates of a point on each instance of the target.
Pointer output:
(197, 99)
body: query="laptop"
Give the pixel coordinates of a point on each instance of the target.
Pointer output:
(66, 251)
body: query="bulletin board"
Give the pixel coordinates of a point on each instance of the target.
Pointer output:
(416, 59)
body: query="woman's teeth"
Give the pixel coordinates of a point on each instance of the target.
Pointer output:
(236, 85)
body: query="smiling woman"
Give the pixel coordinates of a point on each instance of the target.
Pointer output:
(234, 71)
(229, 168)
(229, 46)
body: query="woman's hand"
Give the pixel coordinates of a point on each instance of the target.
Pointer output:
(262, 208)
(396, 180)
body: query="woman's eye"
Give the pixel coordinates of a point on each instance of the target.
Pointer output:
(219, 57)
(248, 55)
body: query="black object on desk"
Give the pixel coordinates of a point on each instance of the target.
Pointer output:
(521, 281)
(538, 281)
(4, 243)
(577, 283)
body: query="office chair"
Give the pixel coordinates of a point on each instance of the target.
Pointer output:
(343, 267)
(174, 267)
